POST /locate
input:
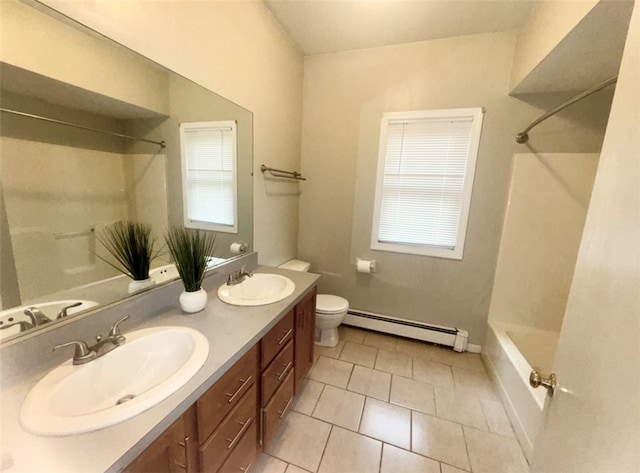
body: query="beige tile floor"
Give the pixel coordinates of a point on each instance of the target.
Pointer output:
(383, 404)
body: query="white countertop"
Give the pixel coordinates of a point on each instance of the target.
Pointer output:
(231, 331)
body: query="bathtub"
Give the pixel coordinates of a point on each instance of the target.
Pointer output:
(510, 352)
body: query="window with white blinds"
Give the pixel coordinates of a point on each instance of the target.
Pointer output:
(209, 175)
(426, 165)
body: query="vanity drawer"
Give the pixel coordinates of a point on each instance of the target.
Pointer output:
(244, 455)
(276, 372)
(230, 433)
(274, 412)
(276, 339)
(220, 399)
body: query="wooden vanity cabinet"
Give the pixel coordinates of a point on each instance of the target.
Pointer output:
(175, 451)
(304, 338)
(227, 414)
(242, 412)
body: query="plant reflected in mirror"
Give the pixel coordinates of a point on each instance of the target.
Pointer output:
(132, 246)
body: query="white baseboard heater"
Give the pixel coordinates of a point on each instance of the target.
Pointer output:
(452, 337)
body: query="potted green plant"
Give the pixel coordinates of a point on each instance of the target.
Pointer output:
(132, 246)
(190, 249)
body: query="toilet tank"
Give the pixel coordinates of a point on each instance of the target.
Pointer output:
(296, 265)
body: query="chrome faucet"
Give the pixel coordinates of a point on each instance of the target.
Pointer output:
(63, 312)
(85, 353)
(238, 276)
(36, 316)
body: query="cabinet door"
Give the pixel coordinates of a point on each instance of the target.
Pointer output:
(173, 452)
(304, 337)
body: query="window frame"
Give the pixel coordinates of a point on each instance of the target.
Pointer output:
(199, 224)
(477, 115)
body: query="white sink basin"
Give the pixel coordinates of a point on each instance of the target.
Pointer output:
(152, 364)
(260, 289)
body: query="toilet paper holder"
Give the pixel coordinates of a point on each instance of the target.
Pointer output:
(238, 248)
(366, 266)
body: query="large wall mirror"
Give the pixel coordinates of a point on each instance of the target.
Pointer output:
(61, 185)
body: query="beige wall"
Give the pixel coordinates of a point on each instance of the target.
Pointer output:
(344, 98)
(548, 202)
(146, 191)
(548, 24)
(236, 49)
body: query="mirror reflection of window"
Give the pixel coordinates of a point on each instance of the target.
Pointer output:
(209, 175)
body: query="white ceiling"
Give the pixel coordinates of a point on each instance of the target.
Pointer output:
(328, 26)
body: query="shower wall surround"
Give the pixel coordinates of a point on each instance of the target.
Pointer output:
(543, 225)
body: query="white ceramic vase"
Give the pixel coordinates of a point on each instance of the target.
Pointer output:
(192, 302)
(138, 285)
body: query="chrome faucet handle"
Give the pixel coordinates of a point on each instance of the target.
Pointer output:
(115, 330)
(63, 312)
(82, 354)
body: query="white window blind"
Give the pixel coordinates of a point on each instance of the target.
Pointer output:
(425, 173)
(209, 181)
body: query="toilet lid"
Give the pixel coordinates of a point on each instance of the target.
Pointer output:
(328, 304)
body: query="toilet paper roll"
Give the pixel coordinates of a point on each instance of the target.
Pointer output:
(237, 248)
(365, 266)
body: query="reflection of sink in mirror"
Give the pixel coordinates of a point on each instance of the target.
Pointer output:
(213, 261)
(152, 364)
(50, 309)
(259, 289)
(169, 272)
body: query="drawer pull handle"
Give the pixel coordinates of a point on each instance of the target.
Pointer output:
(243, 429)
(285, 371)
(184, 445)
(245, 469)
(284, 337)
(244, 382)
(286, 408)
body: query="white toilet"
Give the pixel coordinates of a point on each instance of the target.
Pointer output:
(330, 310)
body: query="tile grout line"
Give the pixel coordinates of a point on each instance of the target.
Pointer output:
(315, 404)
(324, 450)
(466, 447)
